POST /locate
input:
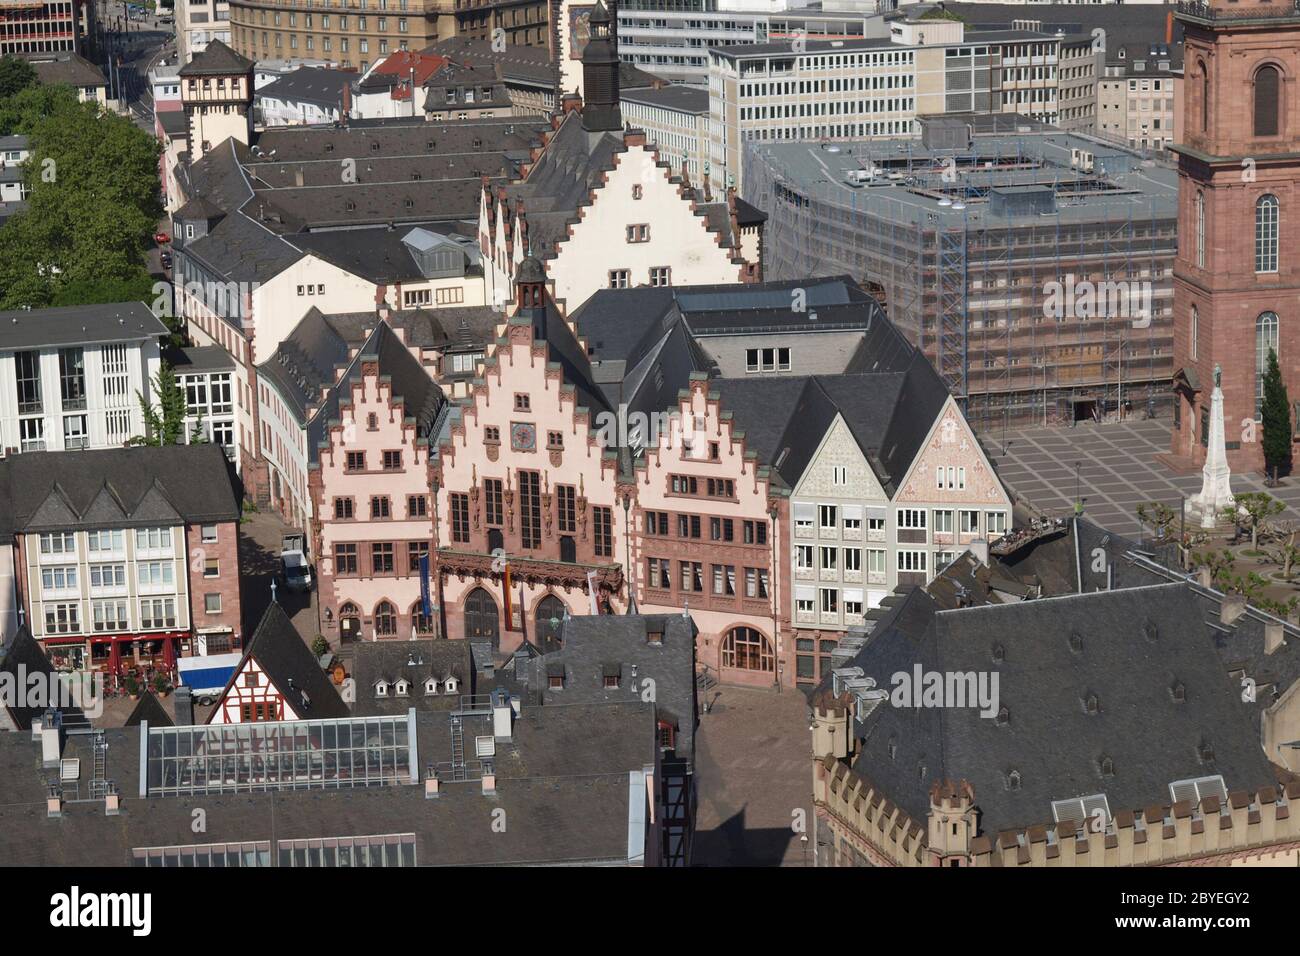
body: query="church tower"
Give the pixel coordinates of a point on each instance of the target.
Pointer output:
(1236, 291)
(600, 109)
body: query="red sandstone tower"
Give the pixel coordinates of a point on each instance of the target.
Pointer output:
(1236, 279)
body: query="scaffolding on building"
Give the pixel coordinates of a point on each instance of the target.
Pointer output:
(969, 245)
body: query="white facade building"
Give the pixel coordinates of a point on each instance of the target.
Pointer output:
(69, 377)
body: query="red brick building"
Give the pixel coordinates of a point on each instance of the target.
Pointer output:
(1235, 294)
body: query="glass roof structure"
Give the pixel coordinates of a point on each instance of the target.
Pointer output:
(283, 755)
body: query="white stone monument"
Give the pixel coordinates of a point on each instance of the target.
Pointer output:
(1216, 477)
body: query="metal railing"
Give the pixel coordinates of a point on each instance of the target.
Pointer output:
(1260, 11)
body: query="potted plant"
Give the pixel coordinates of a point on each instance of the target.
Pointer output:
(132, 686)
(320, 647)
(161, 686)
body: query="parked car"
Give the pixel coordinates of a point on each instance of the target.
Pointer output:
(295, 572)
(161, 238)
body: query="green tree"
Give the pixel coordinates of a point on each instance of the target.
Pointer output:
(16, 75)
(93, 204)
(21, 112)
(1159, 517)
(1275, 417)
(164, 424)
(1256, 512)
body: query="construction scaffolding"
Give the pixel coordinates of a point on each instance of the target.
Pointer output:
(1035, 270)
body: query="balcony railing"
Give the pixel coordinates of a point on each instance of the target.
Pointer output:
(1258, 11)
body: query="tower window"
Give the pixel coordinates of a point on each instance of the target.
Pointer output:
(1266, 233)
(1266, 101)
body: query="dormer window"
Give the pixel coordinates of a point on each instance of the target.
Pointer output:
(450, 684)
(401, 688)
(430, 686)
(381, 689)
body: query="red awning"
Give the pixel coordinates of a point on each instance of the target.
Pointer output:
(115, 660)
(169, 654)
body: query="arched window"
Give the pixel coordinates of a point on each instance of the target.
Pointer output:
(1205, 97)
(1266, 88)
(385, 619)
(1195, 332)
(549, 616)
(423, 623)
(481, 618)
(1266, 233)
(1200, 230)
(1266, 339)
(746, 649)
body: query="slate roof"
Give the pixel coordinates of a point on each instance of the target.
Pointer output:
(686, 99)
(202, 358)
(411, 382)
(416, 661)
(289, 664)
(149, 711)
(1050, 738)
(594, 646)
(79, 325)
(70, 68)
(382, 256)
(563, 782)
(319, 86)
(20, 658)
(117, 487)
(306, 362)
(216, 58)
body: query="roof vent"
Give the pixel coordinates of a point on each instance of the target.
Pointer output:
(1178, 691)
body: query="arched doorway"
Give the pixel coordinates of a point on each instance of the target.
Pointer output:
(482, 622)
(746, 649)
(549, 617)
(349, 622)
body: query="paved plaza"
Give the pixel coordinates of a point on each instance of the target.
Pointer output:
(753, 769)
(1117, 471)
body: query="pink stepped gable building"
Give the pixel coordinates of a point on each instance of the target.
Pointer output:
(370, 480)
(524, 482)
(709, 528)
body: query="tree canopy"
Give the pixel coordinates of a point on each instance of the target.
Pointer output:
(16, 75)
(92, 181)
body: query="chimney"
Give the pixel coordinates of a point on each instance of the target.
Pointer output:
(1274, 636)
(1169, 27)
(112, 802)
(54, 802)
(431, 785)
(298, 177)
(1203, 577)
(489, 780)
(502, 715)
(1233, 607)
(980, 549)
(345, 107)
(51, 742)
(184, 702)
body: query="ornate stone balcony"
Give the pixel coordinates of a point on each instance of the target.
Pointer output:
(538, 571)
